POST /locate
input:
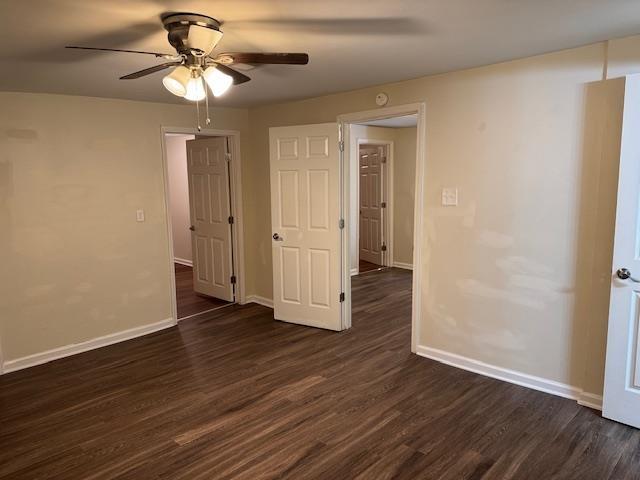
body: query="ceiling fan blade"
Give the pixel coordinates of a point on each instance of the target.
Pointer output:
(270, 58)
(155, 54)
(238, 77)
(147, 71)
(129, 35)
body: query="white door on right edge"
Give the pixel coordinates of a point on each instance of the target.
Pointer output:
(305, 214)
(622, 372)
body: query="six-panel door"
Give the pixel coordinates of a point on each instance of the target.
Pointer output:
(370, 214)
(210, 209)
(305, 209)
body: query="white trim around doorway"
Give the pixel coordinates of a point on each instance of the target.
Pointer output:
(353, 118)
(235, 173)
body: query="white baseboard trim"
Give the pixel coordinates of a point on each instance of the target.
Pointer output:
(354, 271)
(511, 376)
(182, 261)
(75, 348)
(406, 266)
(590, 400)
(265, 302)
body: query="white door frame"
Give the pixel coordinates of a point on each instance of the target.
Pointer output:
(343, 122)
(387, 213)
(235, 173)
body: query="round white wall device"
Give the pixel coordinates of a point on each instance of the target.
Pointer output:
(382, 99)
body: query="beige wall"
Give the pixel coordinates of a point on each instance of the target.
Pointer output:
(179, 194)
(503, 271)
(404, 185)
(75, 263)
(529, 244)
(624, 56)
(404, 163)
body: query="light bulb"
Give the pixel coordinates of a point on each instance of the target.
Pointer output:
(195, 89)
(176, 82)
(218, 82)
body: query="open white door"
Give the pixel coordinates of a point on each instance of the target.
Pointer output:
(305, 211)
(210, 209)
(371, 194)
(622, 372)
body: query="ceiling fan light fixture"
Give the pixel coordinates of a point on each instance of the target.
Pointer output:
(195, 89)
(196, 72)
(177, 81)
(218, 81)
(203, 39)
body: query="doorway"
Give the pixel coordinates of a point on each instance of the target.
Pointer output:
(384, 159)
(399, 133)
(203, 207)
(314, 220)
(382, 193)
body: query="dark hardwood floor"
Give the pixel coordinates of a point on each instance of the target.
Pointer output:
(234, 394)
(365, 266)
(189, 302)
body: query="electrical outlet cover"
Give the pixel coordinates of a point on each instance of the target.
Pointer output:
(449, 197)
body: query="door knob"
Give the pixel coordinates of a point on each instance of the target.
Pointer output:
(277, 237)
(192, 228)
(625, 274)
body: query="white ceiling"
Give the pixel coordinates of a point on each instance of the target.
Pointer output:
(352, 44)
(394, 122)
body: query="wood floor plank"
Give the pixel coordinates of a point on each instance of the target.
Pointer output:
(233, 394)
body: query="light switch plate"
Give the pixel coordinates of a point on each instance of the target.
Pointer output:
(449, 197)
(140, 215)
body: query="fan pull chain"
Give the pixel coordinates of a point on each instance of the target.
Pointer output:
(198, 114)
(206, 100)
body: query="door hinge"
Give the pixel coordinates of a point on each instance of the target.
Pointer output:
(383, 247)
(341, 145)
(341, 296)
(384, 159)
(383, 205)
(230, 220)
(233, 279)
(227, 156)
(341, 224)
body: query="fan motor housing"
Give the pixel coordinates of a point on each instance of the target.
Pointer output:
(178, 26)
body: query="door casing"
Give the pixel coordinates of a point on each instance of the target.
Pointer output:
(235, 174)
(418, 220)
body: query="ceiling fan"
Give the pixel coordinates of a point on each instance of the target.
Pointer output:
(194, 37)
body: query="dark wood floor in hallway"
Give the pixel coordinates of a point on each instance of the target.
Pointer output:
(365, 266)
(188, 301)
(234, 394)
